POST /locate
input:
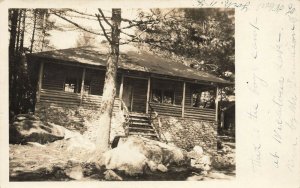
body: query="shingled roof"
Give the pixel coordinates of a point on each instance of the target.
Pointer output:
(131, 59)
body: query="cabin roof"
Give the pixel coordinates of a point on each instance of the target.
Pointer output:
(130, 60)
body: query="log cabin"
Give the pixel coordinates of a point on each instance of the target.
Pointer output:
(146, 83)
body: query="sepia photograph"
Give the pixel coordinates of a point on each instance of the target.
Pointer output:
(121, 94)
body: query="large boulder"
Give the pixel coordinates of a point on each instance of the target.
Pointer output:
(28, 128)
(199, 160)
(135, 155)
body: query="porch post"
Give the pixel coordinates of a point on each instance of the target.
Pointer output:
(221, 112)
(40, 80)
(121, 91)
(148, 95)
(183, 100)
(217, 104)
(82, 85)
(121, 86)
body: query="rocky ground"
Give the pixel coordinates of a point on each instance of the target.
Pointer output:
(48, 152)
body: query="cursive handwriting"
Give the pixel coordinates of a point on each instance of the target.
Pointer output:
(243, 6)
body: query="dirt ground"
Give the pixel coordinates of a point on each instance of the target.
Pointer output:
(53, 162)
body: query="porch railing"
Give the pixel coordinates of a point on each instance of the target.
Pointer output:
(189, 112)
(157, 128)
(126, 113)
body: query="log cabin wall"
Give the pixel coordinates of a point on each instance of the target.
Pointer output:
(95, 78)
(53, 91)
(175, 109)
(139, 95)
(188, 95)
(53, 84)
(171, 108)
(135, 94)
(54, 77)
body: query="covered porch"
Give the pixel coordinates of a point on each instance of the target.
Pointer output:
(140, 92)
(145, 83)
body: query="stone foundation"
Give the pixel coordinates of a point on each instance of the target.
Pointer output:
(78, 118)
(187, 134)
(184, 133)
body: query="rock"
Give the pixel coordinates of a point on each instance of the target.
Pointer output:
(195, 178)
(20, 118)
(112, 176)
(29, 129)
(130, 161)
(35, 144)
(198, 150)
(135, 154)
(162, 168)
(218, 175)
(152, 166)
(80, 143)
(75, 172)
(201, 163)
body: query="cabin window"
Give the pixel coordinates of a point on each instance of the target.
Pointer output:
(204, 99)
(71, 85)
(168, 97)
(156, 95)
(163, 96)
(87, 87)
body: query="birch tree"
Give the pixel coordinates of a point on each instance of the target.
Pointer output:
(109, 91)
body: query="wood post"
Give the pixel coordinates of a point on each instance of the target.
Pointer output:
(183, 100)
(40, 80)
(131, 101)
(148, 95)
(217, 104)
(121, 86)
(82, 85)
(121, 90)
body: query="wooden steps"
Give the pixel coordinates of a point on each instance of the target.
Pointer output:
(139, 124)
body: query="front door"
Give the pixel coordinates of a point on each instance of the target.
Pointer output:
(135, 94)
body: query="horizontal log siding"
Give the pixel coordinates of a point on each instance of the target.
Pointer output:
(139, 95)
(95, 101)
(166, 109)
(178, 89)
(53, 77)
(73, 99)
(189, 113)
(96, 79)
(59, 97)
(188, 95)
(199, 113)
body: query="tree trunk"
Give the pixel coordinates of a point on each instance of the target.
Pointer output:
(12, 42)
(33, 30)
(13, 31)
(23, 31)
(44, 24)
(18, 32)
(109, 91)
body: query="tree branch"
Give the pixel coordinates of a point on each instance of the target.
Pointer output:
(75, 24)
(104, 17)
(76, 11)
(103, 29)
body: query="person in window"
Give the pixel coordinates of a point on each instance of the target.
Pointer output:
(156, 96)
(168, 97)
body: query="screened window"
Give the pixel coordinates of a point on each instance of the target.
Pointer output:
(71, 85)
(87, 87)
(163, 96)
(156, 95)
(168, 97)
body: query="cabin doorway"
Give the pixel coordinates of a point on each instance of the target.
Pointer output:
(135, 94)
